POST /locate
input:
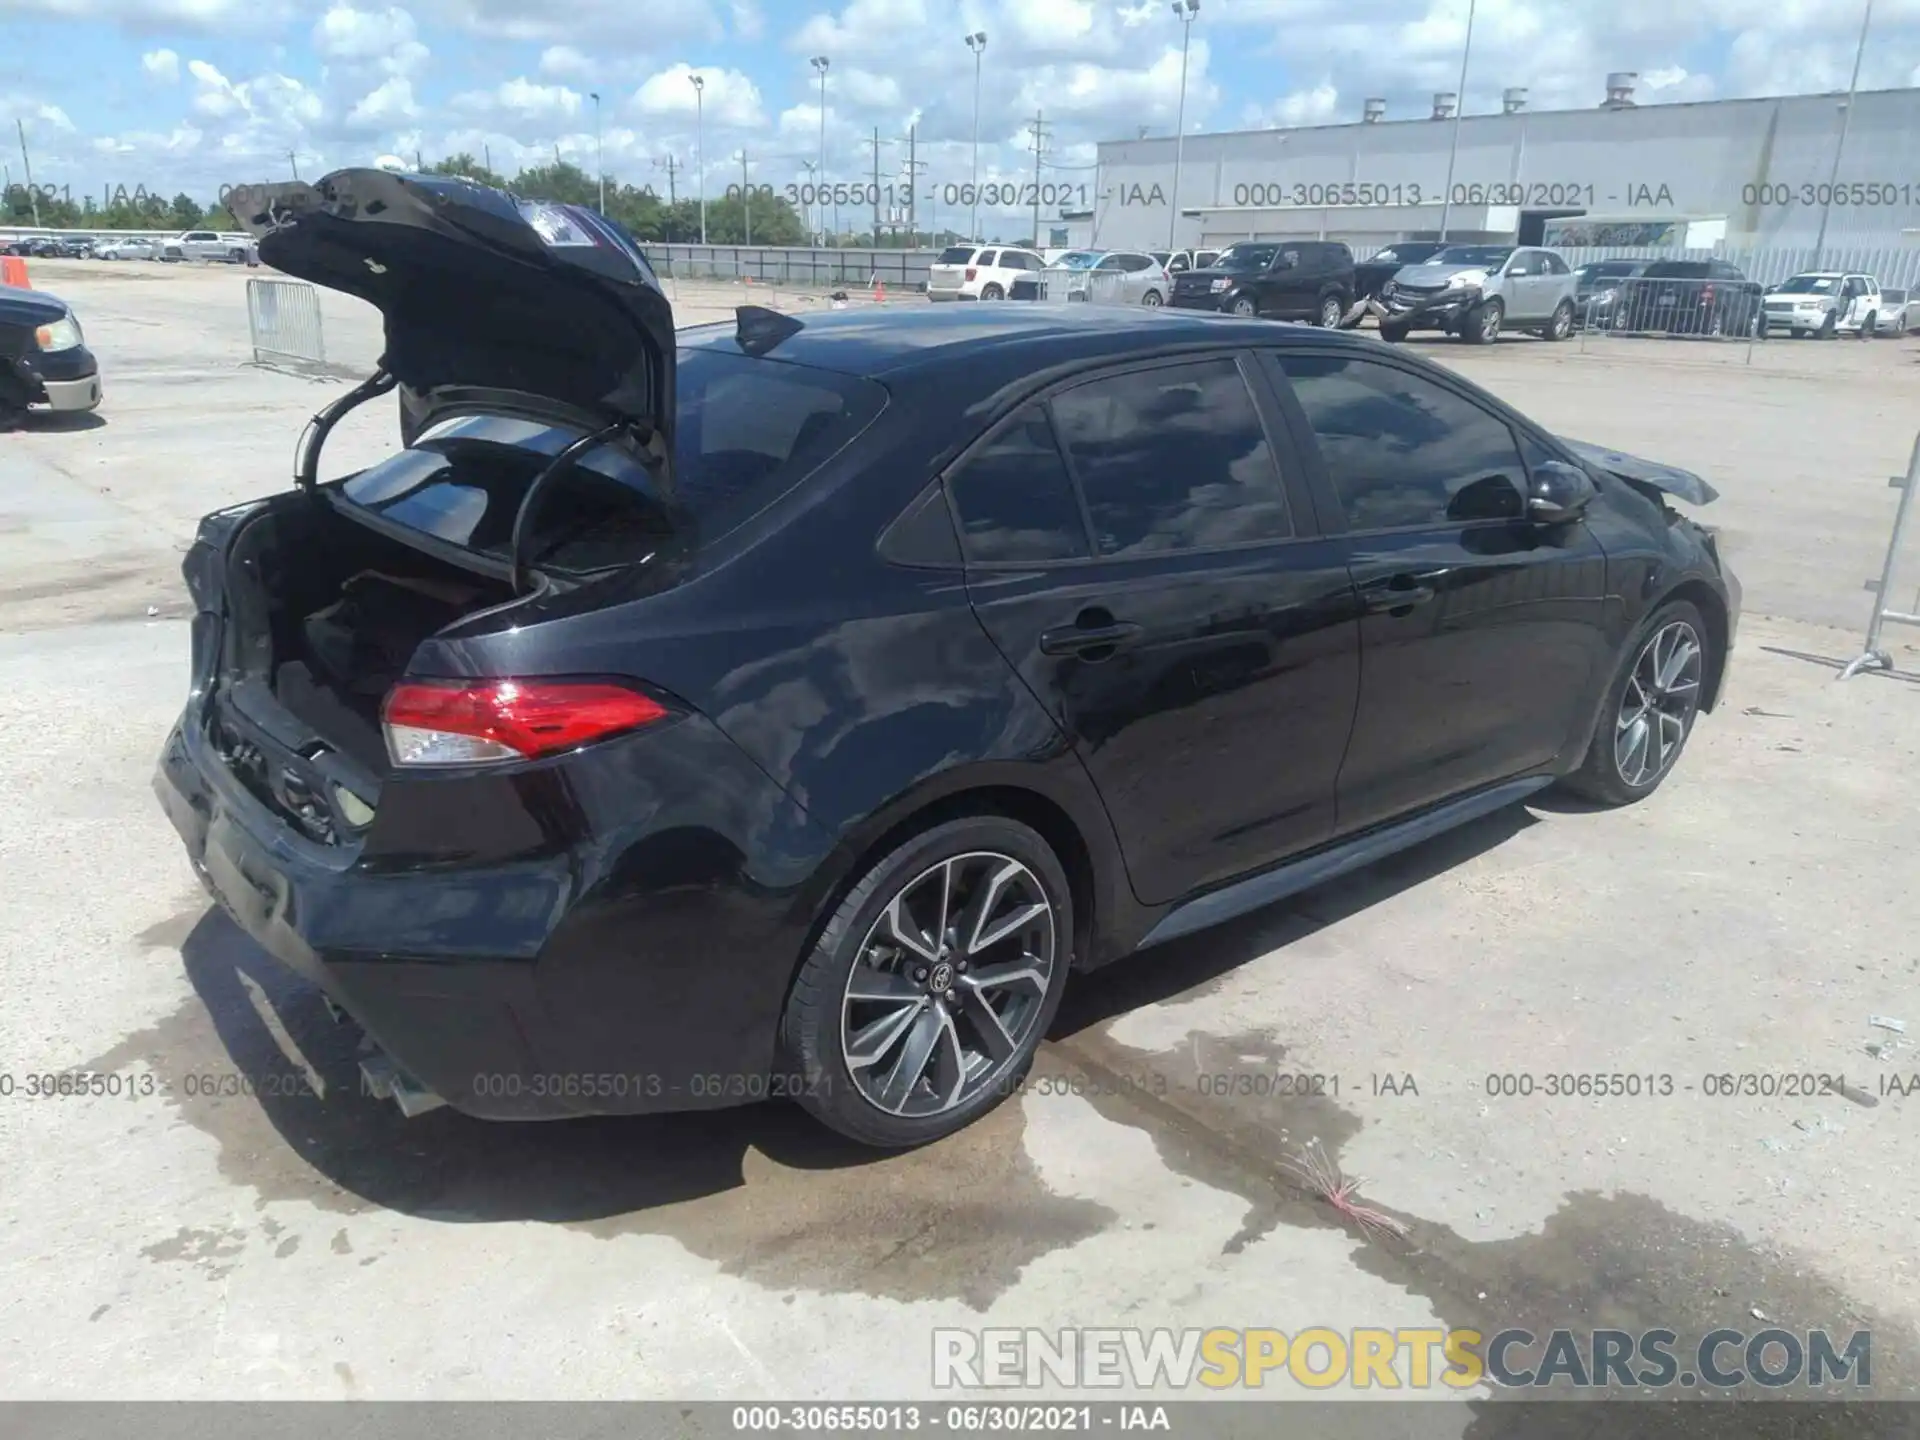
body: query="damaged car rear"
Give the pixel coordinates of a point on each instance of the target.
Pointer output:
(415, 758)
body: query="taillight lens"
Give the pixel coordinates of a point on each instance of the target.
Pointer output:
(972, 273)
(430, 722)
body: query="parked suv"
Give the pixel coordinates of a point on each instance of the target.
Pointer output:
(790, 707)
(1110, 277)
(1278, 279)
(1177, 262)
(1691, 297)
(985, 272)
(207, 245)
(1472, 291)
(1827, 303)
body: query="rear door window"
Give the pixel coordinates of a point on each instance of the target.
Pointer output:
(1172, 458)
(1013, 498)
(986, 258)
(748, 430)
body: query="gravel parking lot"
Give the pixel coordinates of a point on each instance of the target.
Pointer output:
(220, 1232)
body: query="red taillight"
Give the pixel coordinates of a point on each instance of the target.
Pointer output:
(971, 272)
(451, 722)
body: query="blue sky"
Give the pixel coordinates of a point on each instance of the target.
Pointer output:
(190, 94)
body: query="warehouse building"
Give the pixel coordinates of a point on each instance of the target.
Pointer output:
(1733, 176)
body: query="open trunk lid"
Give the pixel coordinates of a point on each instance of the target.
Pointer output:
(481, 291)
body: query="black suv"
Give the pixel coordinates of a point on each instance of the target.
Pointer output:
(793, 706)
(1277, 279)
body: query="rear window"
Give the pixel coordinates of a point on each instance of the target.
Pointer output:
(955, 255)
(748, 431)
(1679, 270)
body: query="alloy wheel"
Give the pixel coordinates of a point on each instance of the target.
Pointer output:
(949, 984)
(1658, 705)
(1329, 313)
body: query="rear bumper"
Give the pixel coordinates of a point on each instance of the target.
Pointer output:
(586, 936)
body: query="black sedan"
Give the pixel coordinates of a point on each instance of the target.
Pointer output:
(44, 360)
(793, 707)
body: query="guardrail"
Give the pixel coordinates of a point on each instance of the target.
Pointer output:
(1872, 656)
(283, 320)
(1645, 305)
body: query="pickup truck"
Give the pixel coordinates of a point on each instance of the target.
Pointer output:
(210, 245)
(1827, 303)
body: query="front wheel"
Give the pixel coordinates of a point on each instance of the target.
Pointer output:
(1869, 325)
(1483, 323)
(923, 1002)
(1561, 326)
(1649, 710)
(1243, 306)
(1330, 312)
(1393, 333)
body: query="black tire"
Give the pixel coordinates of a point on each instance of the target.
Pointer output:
(1393, 333)
(1561, 325)
(1328, 316)
(1600, 777)
(1869, 325)
(1829, 327)
(1483, 323)
(992, 291)
(812, 1027)
(1243, 306)
(1152, 300)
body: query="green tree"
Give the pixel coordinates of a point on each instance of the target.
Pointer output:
(185, 212)
(561, 181)
(468, 168)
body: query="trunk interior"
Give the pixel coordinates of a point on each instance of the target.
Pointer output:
(326, 613)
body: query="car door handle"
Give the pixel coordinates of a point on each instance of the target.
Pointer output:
(1399, 592)
(1079, 639)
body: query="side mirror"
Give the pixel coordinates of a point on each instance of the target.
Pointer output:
(1559, 493)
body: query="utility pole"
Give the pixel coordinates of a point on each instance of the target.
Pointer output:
(33, 197)
(977, 43)
(599, 152)
(418, 165)
(875, 142)
(1846, 120)
(746, 195)
(487, 152)
(1459, 111)
(294, 161)
(913, 189)
(1039, 129)
(700, 147)
(1183, 11)
(670, 165)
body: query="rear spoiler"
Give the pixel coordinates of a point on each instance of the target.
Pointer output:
(1648, 474)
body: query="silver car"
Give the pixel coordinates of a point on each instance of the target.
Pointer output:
(1108, 277)
(1473, 291)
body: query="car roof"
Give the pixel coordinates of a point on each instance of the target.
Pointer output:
(877, 341)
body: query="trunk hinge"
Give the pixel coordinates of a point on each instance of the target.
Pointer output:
(306, 463)
(530, 502)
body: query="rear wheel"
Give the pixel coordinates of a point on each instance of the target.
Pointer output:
(992, 292)
(923, 1002)
(1483, 323)
(1561, 325)
(1649, 710)
(1330, 312)
(1152, 299)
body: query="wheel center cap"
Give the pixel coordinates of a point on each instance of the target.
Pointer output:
(940, 978)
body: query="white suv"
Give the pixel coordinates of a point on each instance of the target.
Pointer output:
(979, 272)
(1827, 303)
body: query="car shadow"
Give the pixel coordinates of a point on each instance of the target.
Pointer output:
(447, 1166)
(58, 422)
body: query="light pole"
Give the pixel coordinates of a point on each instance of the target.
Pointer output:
(820, 63)
(977, 43)
(1183, 11)
(700, 149)
(1846, 120)
(1459, 110)
(599, 155)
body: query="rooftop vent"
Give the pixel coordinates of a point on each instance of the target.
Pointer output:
(1374, 110)
(1443, 104)
(1620, 90)
(1514, 100)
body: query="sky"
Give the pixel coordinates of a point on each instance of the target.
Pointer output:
(193, 94)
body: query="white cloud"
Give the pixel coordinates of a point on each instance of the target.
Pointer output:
(729, 98)
(224, 16)
(1318, 106)
(387, 39)
(388, 104)
(565, 62)
(593, 24)
(216, 96)
(524, 99)
(161, 65)
(748, 21)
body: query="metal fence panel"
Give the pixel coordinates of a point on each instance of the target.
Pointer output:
(283, 318)
(1895, 266)
(798, 266)
(1888, 588)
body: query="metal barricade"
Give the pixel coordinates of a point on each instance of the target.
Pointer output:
(1092, 287)
(283, 319)
(1872, 656)
(1675, 307)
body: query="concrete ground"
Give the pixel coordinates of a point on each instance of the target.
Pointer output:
(1749, 918)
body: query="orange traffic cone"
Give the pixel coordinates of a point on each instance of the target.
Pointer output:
(13, 271)
(880, 291)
